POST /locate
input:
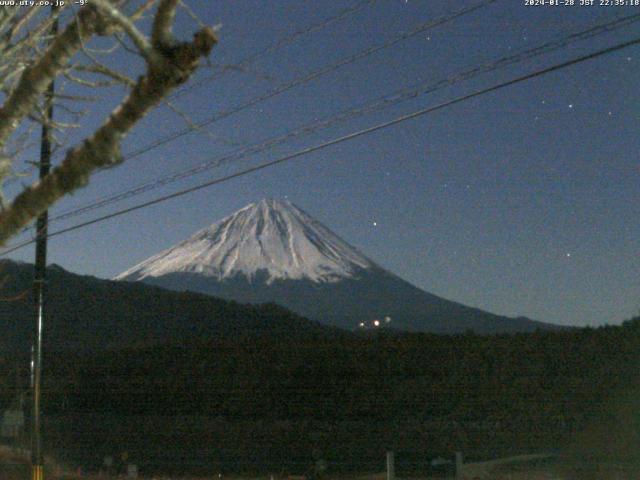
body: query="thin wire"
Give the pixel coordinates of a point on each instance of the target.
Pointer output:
(316, 74)
(385, 101)
(344, 138)
(279, 44)
(312, 76)
(256, 55)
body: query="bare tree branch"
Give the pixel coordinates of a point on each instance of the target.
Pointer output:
(101, 69)
(142, 9)
(103, 147)
(139, 40)
(161, 35)
(36, 78)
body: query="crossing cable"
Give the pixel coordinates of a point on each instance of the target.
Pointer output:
(286, 40)
(386, 101)
(306, 79)
(338, 140)
(316, 74)
(310, 77)
(278, 45)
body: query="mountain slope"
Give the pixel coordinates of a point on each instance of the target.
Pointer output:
(272, 251)
(87, 313)
(272, 236)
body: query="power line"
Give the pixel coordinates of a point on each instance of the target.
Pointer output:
(378, 104)
(308, 78)
(350, 59)
(279, 44)
(344, 138)
(312, 76)
(316, 74)
(265, 51)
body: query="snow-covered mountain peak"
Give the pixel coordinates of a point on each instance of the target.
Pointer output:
(273, 236)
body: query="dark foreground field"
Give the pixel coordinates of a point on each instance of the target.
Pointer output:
(259, 406)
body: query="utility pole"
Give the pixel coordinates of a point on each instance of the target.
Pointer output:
(391, 467)
(39, 281)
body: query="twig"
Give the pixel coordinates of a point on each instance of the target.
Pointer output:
(103, 147)
(136, 36)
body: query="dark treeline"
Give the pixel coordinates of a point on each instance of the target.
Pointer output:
(88, 314)
(276, 401)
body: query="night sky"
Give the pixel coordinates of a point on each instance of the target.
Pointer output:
(524, 201)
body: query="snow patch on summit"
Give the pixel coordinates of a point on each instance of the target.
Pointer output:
(272, 236)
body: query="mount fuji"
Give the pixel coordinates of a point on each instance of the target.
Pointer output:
(274, 252)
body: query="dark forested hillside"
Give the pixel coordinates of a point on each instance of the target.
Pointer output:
(270, 402)
(90, 314)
